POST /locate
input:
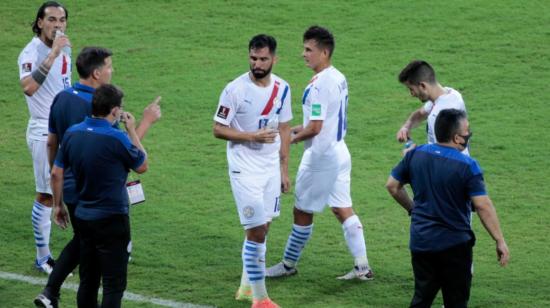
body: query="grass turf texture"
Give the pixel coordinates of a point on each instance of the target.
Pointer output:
(187, 238)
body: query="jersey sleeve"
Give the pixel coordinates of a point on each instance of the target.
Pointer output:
(227, 107)
(401, 171)
(132, 156)
(319, 97)
(52, 126)
(286, 109)
(428, 106)
(475, 183)
(61, 156)
(27, 62)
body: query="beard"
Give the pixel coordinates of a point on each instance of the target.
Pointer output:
(259, 73)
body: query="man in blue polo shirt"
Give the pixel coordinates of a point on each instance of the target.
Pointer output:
(71, 106)
(445, 182)
(100, 157)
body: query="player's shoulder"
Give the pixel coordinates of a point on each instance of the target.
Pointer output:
(453, 97)
(281, 81)
(237, 84)
(31, 47)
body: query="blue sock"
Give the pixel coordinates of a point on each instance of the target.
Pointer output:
(297, 240)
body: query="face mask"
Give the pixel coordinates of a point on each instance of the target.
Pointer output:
(466, 140)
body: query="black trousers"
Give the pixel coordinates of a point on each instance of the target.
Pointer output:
(67, 261)
(449, 270)
(103, 256)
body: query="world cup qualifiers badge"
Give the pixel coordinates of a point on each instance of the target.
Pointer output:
(223, 112)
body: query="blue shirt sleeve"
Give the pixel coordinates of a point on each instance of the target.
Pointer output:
(51, 123)
(60, 158)
(132, 157)
(401, 171)
(475, 183)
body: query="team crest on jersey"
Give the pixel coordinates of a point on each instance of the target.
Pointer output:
(27, 67)
(248, 212)
(223, 112)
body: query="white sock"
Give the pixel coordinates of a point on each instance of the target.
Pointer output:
(296, 242)
(254, 262)
(41, 225)
(353, 233)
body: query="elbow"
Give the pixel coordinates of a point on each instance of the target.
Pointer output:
(143, 168)
(392, 189)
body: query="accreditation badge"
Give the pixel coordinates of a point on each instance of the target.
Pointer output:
(135, 192)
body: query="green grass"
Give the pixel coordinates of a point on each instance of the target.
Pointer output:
(187, 238)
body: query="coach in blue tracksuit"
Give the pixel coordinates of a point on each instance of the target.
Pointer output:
(100, 158)
(444, 182)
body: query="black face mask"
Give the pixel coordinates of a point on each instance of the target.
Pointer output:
(466, 139)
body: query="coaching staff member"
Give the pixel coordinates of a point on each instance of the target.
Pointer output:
(444, 182)
(100, 157)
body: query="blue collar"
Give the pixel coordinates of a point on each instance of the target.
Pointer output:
(84, 88)
(97, 122)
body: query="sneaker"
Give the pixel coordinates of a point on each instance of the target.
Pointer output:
(355, 273)
(280, 270)
(46, 267)
(44, 301)
(264, 303)
(244, 294)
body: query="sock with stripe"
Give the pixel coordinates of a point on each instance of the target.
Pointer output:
(254, 262)
(353, 233)
(296, 242)
(41, 225)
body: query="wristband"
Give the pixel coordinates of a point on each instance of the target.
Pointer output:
(38, 76)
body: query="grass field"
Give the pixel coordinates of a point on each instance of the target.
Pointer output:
(187, 238)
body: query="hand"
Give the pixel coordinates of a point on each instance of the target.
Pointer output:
(266, 135)
(503, 255)
(407, 150)
(403, 134)
(59, 42)
(128, 120)
(285, 183)
(152, 112)
(61, 217)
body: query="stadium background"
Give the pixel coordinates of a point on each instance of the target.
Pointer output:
(186, 236)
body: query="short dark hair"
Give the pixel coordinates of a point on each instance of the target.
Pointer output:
(323, 37)
(263, 40)
(105, 98)
(417, 71)
(90, 59)
(447, 124)
(42, 11)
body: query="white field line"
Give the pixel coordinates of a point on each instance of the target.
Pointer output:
(127, 295)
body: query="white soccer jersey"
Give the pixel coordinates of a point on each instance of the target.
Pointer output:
(57, 79)
(450, 100)
(326, 98)
(241, 105)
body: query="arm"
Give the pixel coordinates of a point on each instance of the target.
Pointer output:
(52, 145)
(311, 130)
(151, 114)
(398, 192)
(419, 115)
(61, 217)
(488, 216)
(130, 124)
(228, 133)
(284, 132)
(32, 83)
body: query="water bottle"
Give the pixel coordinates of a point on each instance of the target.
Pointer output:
(408, 144)
(65, 49)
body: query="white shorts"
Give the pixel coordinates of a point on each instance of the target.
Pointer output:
(41, 166)
(318, 186)
(257, 198)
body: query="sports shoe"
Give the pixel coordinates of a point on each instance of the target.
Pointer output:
(46, 267)
(244, 294)
(355, 273)
(280, 270)
(264, 303)
(42, 300)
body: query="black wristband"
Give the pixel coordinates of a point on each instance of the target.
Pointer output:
(38, 76)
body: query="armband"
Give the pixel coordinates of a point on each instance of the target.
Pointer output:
(39, 76)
